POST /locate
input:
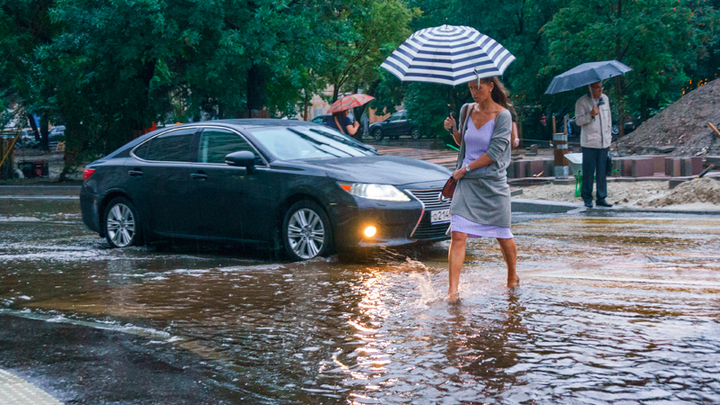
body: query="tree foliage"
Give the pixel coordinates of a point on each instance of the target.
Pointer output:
(109, 69)
(661, 40)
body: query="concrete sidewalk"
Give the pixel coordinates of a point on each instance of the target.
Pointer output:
(16, 391)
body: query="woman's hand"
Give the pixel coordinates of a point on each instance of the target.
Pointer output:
(459, 173)
(450, 124)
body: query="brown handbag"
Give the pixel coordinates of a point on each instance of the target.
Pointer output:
(449, 187)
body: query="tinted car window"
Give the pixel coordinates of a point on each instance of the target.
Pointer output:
(304, 143)
(175, 146)
(215, 144)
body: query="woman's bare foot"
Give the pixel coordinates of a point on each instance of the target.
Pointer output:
(453, 298)
(514, 282)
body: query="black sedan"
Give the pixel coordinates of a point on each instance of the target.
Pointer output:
(394, 126)
(296, 186)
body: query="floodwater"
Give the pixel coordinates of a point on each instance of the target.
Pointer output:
(614, 309)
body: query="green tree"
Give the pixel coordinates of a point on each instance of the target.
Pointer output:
(659, 39)
(357, 37)
(26, 77)
(516, 24)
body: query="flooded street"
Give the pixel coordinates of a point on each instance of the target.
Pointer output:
(617, 309)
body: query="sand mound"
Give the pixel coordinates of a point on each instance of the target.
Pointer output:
(703, 190)
(683, 125)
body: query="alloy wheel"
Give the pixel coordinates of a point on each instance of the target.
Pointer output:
(306, 233)
(120, 225)
(377, 134)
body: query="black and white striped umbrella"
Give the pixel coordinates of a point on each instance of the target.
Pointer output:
(448, 54)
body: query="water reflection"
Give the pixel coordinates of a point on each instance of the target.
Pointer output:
(611, 310)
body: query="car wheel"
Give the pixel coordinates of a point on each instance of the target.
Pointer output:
(377, 134)
(122, 225)
(306, 231)
(415, 133)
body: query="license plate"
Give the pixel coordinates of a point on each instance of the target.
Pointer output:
(439, 216)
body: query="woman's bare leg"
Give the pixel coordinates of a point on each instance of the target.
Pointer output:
(509, 252)
(456, 257)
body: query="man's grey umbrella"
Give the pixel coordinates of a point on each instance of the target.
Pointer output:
(585, 74)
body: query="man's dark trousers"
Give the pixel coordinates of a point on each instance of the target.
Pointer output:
(594, 166)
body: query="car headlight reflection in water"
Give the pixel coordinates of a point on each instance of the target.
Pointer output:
(384, 192)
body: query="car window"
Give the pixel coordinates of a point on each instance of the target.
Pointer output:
(174, 146)
(304, 143)
(395, 117)
(215, 144)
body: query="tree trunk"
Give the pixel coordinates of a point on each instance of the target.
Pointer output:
(620, 107)
(44, 121)
(255, 89)
(644, 110)
(618, 80)
(336, 92)
(306, 101)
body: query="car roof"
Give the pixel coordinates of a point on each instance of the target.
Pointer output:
(241, 124)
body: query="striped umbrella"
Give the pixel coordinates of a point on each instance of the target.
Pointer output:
(348, 102)
(448, 55)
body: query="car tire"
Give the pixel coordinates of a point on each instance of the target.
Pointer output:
(122, 224)
(415, 133)
(377, 134)
(306, 231)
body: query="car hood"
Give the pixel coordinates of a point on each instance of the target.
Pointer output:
(382, 169)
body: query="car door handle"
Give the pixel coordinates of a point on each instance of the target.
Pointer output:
(199, 176)
(135, 173)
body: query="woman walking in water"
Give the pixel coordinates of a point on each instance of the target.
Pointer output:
(481, 203)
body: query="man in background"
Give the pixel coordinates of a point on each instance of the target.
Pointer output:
(592, 114)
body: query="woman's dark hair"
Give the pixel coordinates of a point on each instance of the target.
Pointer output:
(499, 93)
(338, 114)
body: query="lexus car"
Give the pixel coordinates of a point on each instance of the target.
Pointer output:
(298, 187)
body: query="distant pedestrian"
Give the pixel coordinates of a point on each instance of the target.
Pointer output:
(365, 119)
(481, 203)
(592, 114)
(340, 121)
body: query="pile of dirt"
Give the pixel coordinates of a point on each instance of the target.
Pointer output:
(702, 190)
(684, 124)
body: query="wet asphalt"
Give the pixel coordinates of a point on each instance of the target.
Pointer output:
(83, 365)
(614, 308)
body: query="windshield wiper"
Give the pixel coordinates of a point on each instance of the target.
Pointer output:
(344, 140)
(313, 140)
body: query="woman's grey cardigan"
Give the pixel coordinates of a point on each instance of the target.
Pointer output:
(484, 196)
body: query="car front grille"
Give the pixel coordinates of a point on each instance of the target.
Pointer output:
(431, 202)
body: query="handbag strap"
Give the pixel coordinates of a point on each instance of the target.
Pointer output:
(461, 128)
(338, 125)
(463, 117)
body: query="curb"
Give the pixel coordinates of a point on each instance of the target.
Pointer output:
(542, 206)
(552, 207)
(625, 210)
(49, 191)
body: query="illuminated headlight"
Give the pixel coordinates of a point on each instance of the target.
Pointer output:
(384, 192)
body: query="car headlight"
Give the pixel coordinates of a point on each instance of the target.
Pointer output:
(384, 192)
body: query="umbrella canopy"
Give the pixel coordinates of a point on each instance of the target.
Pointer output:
(585, 74)
(348, 102)
(448, 55)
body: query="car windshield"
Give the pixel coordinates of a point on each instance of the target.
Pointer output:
(308, 143)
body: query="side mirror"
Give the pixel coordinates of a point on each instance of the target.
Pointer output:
(243, 158)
